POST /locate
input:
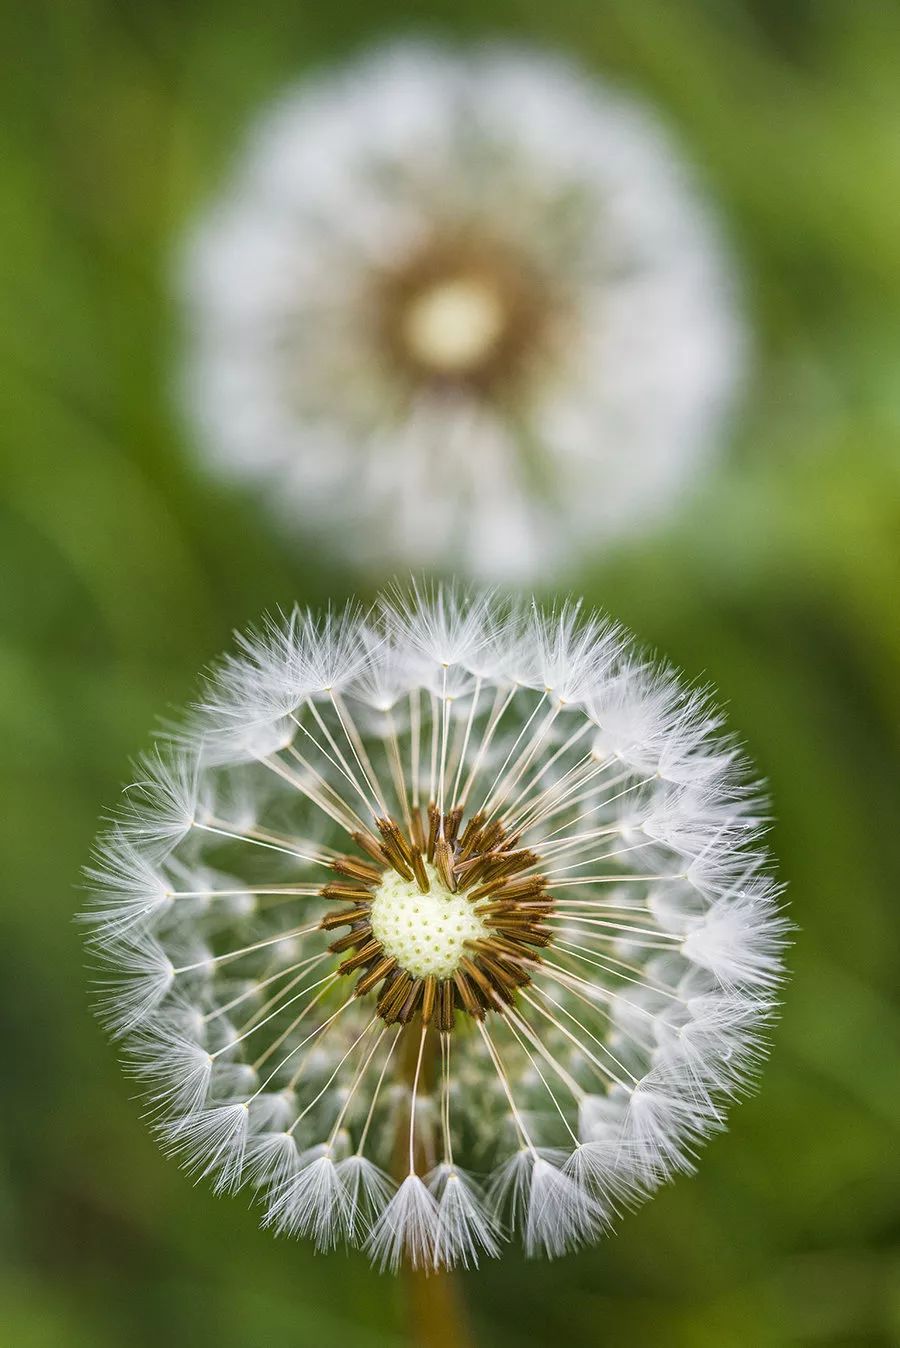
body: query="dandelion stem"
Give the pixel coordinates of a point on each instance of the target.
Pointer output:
(435, 1312)
(434, 1309)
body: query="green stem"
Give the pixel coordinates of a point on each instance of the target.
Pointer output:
(435, 1310)
(434, 1303)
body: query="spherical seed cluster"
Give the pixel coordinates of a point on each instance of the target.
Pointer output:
(427, 934)
(462, 889)
(476, 294)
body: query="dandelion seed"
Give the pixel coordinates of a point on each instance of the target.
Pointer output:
(453, 956)
(448, 300)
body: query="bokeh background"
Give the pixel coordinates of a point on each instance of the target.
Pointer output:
(124, 570)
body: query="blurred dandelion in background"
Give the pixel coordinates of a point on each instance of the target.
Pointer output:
(460, 309)
(437, 923)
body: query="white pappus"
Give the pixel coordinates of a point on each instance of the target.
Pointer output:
(449, 957)
(449, 299)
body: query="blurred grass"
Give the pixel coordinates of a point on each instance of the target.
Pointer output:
(125, 570)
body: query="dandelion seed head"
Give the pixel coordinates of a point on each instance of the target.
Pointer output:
(472, 293)
(432, 967)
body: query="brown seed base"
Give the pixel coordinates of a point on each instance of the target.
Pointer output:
(532, 311)
(483, 863)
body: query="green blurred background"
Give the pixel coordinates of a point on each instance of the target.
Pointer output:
(124, 570)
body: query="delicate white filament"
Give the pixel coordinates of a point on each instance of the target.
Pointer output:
(596, 939)
(482, 289)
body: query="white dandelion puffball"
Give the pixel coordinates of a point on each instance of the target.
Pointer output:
(438, 923)
(460, 306)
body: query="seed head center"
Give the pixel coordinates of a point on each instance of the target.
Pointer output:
(454, 325)
(425, 933)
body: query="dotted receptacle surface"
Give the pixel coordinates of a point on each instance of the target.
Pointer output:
(425, 933)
